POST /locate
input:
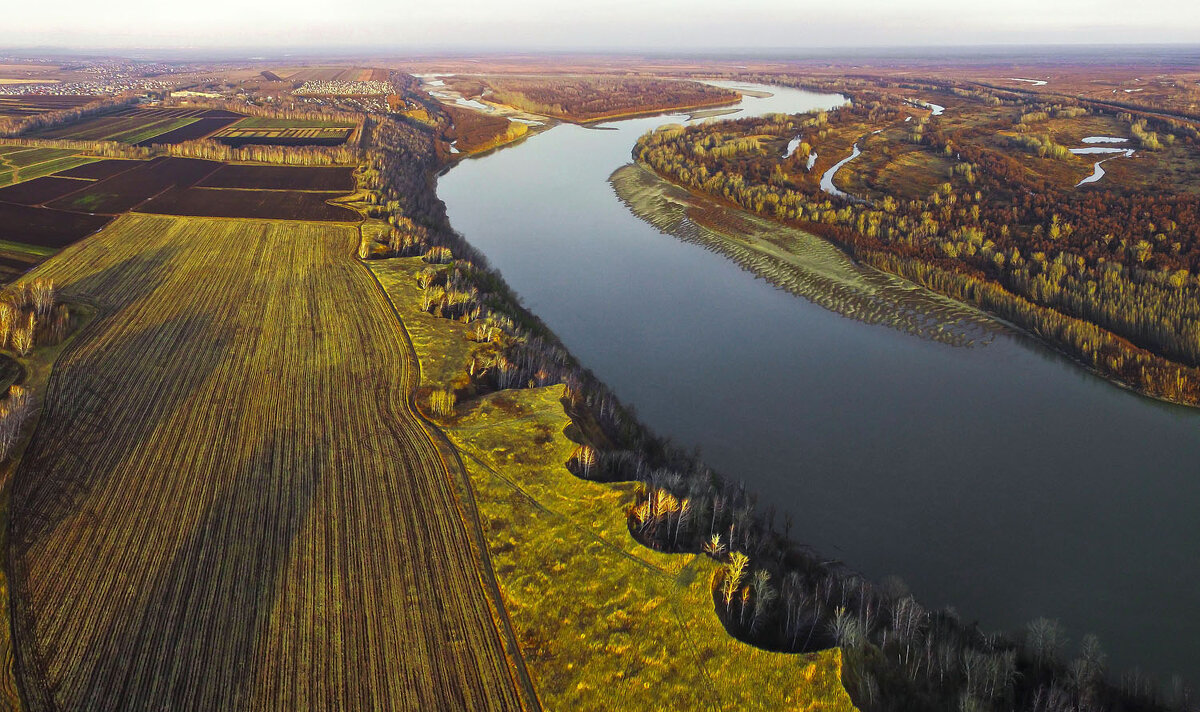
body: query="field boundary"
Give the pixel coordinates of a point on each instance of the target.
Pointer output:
(442, 443)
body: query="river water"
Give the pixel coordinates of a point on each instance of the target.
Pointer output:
(1000, 479)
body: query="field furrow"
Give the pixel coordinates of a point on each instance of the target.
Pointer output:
(229, 503)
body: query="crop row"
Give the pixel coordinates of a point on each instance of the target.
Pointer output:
(229, 503)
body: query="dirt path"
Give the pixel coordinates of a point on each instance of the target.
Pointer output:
(230, 503)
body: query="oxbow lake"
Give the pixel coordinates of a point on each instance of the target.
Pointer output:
(1001, 479)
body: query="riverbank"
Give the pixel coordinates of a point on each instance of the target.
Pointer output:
(952, 255)
(648, 195)
(639, 113)
(798, 261)
(602, 621)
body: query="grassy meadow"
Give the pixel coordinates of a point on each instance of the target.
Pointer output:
(603, 622)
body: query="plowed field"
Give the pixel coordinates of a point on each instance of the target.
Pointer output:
(229, 503)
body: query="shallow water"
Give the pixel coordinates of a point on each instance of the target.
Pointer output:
(1000, 479)
(1097, 167)
(827, 177)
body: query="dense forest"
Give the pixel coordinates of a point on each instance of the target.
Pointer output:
(1109, 276)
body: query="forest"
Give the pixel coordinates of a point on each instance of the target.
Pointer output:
(1107, 274)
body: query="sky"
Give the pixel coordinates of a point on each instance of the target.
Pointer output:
(637, 25)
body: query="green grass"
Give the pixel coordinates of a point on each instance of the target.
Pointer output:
(34, 156)
(603, 623)
(148, 132)
(89, 200)
(54, 166)
(21, 247)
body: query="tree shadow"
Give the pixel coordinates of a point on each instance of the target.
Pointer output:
(90, 397)
(194, 642)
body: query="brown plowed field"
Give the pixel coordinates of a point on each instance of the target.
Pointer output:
(41, 190)
(281, 178)
(261, 204)
(196, 130)
(229, 503)
(99, 170)
(45, 227)
(33, 104)
(125, 191)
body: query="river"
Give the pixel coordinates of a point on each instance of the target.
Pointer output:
(1001, 479)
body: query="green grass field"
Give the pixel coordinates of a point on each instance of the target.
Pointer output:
(38, 251)
(32, 156)
(150, 131)
(22, 163)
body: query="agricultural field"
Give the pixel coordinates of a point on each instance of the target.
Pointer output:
(15, 262)
(261, 177)
(22, 163)
(67, 197)
(241, 203)
(41, 190)
(36, 230)
(208, 559)
(144, 127)
(20, 105)
(285, 132)
(98, 170)
(126, 190)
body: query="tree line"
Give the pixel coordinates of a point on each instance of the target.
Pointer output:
(1110, 277)
(770, 591)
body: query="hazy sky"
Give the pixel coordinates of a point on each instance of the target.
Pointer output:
(594, 24)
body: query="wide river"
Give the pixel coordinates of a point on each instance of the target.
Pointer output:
(1001, 479)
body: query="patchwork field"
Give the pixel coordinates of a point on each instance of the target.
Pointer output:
(289, 548)
(40, 215)
(144, 127)
(21, 163)
(18, 105)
